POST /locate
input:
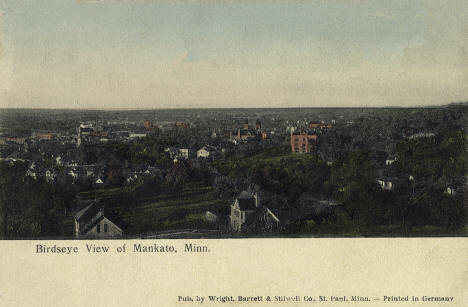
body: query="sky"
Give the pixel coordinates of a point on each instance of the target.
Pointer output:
(122, 54)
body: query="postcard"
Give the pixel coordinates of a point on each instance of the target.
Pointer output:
(238, 153)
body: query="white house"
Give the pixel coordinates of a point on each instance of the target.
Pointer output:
(31, 174)
(93, 221)
(136, 135)
(450, 191)
(184, 153)
(132, 178)
(211, 217)
(49, 175)
(73, 173)
(385, 184)
(205, 152)
(242, 207)
(248, 216)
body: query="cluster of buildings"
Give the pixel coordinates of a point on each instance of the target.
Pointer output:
(247, 132)
(164, 126)
(206, 152)
(23, 144)
(93, 133)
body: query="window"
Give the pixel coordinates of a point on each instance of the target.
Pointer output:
(105, 228)
(98, 228)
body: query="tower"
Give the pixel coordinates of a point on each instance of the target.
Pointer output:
(258, 124)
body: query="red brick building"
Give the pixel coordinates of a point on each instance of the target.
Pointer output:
(148, 124)
(303, 142)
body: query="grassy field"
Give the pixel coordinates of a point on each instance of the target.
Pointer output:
(169, 211)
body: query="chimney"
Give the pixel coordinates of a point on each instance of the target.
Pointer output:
(256, 199)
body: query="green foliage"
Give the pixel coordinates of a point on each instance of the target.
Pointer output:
(31, 208)
(146, 150)
(434, 157)
(277, 171)
(179, 210)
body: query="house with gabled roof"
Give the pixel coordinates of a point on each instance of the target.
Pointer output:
(206, 151)
(94, 221)
(261, 220)
(248, 216)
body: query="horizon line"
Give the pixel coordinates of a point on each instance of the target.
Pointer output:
(236, 108)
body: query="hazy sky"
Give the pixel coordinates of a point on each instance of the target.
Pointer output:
(276, 53)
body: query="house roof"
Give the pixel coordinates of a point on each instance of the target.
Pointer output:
(246, 201)
(89, 211)
(259, 212)
(305, 133)
(208, 148)
(246, 204)
(244, 195)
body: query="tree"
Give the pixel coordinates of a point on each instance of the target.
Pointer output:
(179, 174)
(113, 173)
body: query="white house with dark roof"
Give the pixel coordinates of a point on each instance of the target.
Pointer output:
(248, 216)
(93, 221)
(242, 207)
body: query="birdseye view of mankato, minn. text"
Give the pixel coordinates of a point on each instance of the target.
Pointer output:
(167, 120)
